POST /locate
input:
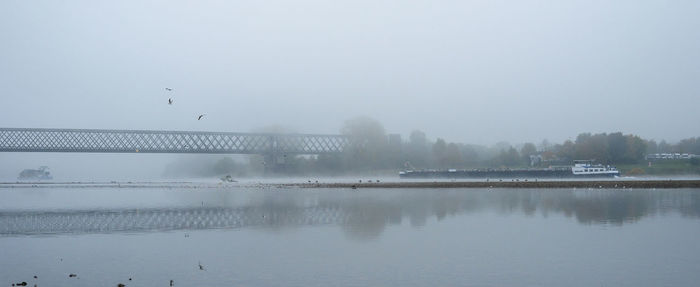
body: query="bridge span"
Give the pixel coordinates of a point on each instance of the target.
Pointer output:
(152, 141)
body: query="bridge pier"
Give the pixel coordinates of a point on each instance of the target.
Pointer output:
(275, 163)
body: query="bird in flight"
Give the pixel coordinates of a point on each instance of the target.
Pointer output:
(169, 89)
(201, 267)
(170, 101)
(200, 116)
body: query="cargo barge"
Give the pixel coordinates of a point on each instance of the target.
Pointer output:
(580, 169)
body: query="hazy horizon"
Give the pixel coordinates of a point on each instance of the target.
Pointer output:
(488, 192)
(476, 72)
(473, 72)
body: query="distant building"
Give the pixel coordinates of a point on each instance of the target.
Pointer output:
(535, 159)
(667, 156)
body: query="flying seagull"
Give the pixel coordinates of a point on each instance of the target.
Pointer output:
(169, 89)
(170, 101)
(200, 116)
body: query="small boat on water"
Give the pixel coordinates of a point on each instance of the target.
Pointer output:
(35, 174)
(580, 169)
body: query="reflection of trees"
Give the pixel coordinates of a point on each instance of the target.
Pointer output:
(368, 214)
(367, 218)
(363, 214)
(603, 206)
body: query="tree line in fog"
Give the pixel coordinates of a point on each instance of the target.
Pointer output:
(373, 149)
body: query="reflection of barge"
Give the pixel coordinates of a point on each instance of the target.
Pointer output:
(579, 170)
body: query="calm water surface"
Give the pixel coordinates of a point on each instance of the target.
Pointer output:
(341, 237)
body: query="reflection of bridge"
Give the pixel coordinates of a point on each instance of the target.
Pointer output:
(360, 214)
(137, 220)
(143, 141)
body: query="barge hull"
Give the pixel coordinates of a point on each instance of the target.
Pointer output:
(548, 173)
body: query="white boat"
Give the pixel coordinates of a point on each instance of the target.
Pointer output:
(586, 168)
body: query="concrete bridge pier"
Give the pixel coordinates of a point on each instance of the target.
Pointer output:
(274, 163)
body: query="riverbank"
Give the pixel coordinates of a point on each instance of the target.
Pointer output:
(609, 184)
(660, 168)
(511, 184)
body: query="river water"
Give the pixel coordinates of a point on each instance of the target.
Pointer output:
(264, 236)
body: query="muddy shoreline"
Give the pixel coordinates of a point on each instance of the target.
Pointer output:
(619, 184)
(511, 184)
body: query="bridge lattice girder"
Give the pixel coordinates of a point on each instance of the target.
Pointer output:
(149, 141)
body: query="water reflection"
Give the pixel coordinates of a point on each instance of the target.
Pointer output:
(363, 214)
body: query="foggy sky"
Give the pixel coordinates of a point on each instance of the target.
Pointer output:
(467, 71)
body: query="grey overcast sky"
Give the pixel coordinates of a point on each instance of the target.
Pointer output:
(468, 71)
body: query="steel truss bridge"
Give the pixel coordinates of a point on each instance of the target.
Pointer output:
(150, 141)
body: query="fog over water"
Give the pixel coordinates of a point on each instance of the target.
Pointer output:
(344, 237)
(466, 84)
(467, 71)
